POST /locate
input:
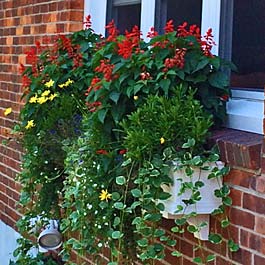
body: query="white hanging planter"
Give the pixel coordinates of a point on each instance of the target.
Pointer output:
(208, 203)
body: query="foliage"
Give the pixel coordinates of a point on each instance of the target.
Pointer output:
(103, 120)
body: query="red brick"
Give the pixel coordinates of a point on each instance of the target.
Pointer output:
(242, 218)
(258, 183)
(236, 196)
(242, 256)
(257, 243)
(239, 178)
(254, 203)
(260, 225)
(259, 260)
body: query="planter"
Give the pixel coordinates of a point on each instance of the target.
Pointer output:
(208, 203)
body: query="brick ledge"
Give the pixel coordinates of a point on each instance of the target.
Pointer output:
(239, 148)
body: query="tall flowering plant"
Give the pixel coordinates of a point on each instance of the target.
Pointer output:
(103, 118)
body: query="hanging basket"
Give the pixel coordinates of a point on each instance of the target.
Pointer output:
(208, 202)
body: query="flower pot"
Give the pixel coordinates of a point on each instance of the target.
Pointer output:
(208, 201)
(204, 207)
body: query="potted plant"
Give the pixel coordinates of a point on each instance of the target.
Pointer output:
(146, 105)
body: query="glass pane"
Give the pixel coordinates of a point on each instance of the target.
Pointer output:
(127, 16)
(248, 44)
(181, 11)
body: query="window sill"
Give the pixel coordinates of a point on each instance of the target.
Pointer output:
(239, 148)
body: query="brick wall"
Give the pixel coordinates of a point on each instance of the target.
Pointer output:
(25, 21)
(22, 22)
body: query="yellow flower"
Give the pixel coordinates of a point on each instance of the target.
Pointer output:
(30, 124)
(33, 99)
(104, 195)
(162, 140)
(42, 100)
(135, 97)
(49, 84)
(45, 93)
(7, 111)
(67, 83)
(52, 96)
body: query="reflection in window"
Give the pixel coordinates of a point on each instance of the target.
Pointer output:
(179, 11)
(248, 44)
(126, 14)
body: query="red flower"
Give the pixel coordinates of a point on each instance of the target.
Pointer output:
(123, 151)
(25, 81)
(92, 107)
(169, 26)
(87, 22)
(224, 97)
(152, 33)
(208, 43)
(106, 68)
(112, 31)
(178, 60)
(21, 68)
(130, 43)
(102, 152)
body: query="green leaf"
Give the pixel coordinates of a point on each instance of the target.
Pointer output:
(159, 232)
(135, 204)
(114, 96)
(176, 253)
(218, 79)
(119, 205)
(164, 195)
(181, 221)
(225, 223)
(115, 196)
(215, 238)
(153, 217)
(126, 162)
(102, 114)
(198, 260)
(210, 258)
(116, 235)
(164, 84)
(171, 242)
(136, 193)
(116, 221)
(227, 201)
(120, 180)
(192, 229)
(142, 242)
(233, 247)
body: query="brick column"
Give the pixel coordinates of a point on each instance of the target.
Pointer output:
(22, 23)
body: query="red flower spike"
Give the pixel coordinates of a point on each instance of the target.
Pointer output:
(87, 22)
(102, 152)
(112, 31)
(21, 68)
(123, 151)
(169, 26)
(152, 33)
(92, 107)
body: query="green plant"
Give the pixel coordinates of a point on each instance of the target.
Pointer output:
(100, 133)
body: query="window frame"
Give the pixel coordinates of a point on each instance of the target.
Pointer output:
(217, 15)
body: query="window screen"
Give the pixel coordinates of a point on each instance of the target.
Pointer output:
(248, 44)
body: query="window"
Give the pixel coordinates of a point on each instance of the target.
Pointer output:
(179, 11)
(238, 27)
(126, 14)
(248, 44)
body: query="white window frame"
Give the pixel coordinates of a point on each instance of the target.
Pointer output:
(246, 108)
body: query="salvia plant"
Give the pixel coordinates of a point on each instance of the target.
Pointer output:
(103, 122)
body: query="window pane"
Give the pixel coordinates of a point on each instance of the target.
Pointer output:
(125, 14)
(248, 44)
(181, 11)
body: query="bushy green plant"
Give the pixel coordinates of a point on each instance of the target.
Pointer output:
(103, 120)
